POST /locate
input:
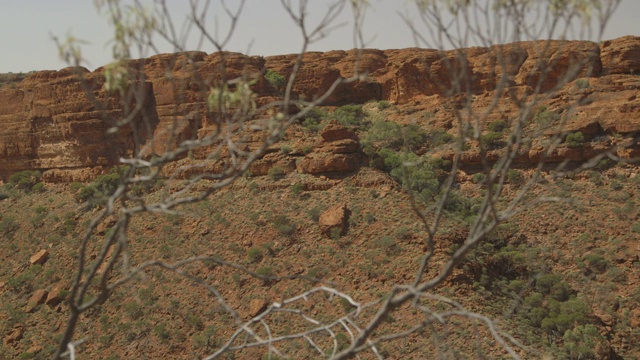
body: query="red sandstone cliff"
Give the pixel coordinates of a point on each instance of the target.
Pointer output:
(47, 121)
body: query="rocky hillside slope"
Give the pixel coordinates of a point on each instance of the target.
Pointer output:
(48, 123)
(560, 277)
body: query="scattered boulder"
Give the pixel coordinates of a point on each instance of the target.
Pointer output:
(34, 349)
(14, 336)
(40, 257)
(36, 299)
(333, 131)
(634, 318)
(338, 152)
(103, 226)
(256, 306)
(335, 220)
(55, 296)
(319, 163)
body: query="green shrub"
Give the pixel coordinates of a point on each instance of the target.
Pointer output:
(275, 172)
(604, 164)
(383, 104)
(416, 175)
(265, 271)
(161, 332)
(560, 291)
(574, 139)
(545, 282)
(100, 189)
(8, 226)
(581, 341)
(492, 140)
(297, 189)
(314, 213)
(536, 316)
(253, 187)
(564, 316)
(285, 149)
(616, 185)
(439, 137)
(386, 243)
(388, 135)
(23, 282)
(370, 218)
(314, 118)
(534, 300)
(349, 115)
(617, 275)
(459, 205)
(515, 177)
(206, 338)
(254, 255)
(283, 224)
(25, 180)
(343, 341)
(275, 80)
(545, 118)
(517, 285)
(498, 126)
(582, 83)
(133, 310)
(596, 262)
(75, 186)
(402, 233)
(85, 194)
(26, 356)
(478, 178)
(39, 187)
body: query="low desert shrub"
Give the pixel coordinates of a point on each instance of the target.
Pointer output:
(8, 226)
(439, 137)
(383, 104)
(314, 119)
(544, 117)
(25, 180)
(275, 80)
(389, 135)
(498, 126)
(515, 177)
(283, 224)
(492, 140)
(100, 189)
(275, 172)
(574, 139)
(596, 262)
(478, 178)
(314, 213)
(297, 189)
(349, 115)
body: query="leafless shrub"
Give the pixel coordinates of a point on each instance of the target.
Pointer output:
(227, 106)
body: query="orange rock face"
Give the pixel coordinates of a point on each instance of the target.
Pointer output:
(48, 122)
(338, 152)
(621, 56)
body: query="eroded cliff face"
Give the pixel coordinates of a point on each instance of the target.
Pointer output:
(49, 122)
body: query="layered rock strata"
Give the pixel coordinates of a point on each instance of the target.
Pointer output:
(52, 120)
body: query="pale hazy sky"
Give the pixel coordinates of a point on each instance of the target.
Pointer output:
(263, 29)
